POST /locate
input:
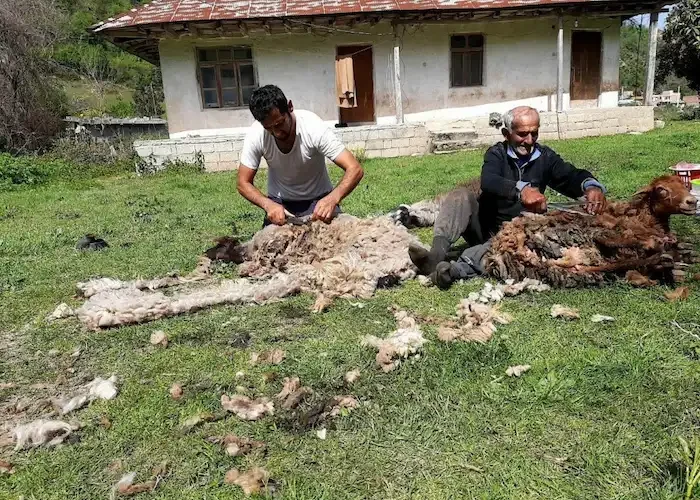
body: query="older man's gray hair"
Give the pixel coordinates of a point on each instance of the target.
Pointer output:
(507, 119)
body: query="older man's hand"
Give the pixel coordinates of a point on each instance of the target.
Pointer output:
(595, 200)
(533, 200)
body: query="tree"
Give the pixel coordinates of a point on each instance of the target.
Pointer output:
(31, 108)
(634, 46)
(148, 96)
(682, 41)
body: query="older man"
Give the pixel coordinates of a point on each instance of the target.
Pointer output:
(295, 144)
(514, 177)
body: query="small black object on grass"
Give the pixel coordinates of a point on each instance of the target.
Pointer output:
(90, 242)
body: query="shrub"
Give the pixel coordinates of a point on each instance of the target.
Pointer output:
(690, 113)
(91, 157)
(28, 170)
(121, 109)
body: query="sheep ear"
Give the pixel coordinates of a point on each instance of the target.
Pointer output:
(646, 190)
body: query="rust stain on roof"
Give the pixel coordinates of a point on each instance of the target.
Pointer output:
(169, 11)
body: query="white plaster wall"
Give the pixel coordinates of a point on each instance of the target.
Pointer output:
(520, 67)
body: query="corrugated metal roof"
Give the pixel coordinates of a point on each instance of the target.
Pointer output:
(169, 11)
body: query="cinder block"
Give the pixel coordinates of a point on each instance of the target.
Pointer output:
(143, 151)
(184, 149)
(400, 143)
(205, 147)
(418, 141)
(386, 134)
(374, 144)
(372, 134)
(162, 150)
(211, 158)
(222, 147)
(373, 153)
(390, 153)
(229, 156)
(574, 134)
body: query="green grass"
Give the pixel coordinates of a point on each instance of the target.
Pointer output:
(598, 415)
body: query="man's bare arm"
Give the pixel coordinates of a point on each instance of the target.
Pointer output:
(274, 211)
(351, 178)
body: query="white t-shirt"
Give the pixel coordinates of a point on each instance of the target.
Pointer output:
(300, 174)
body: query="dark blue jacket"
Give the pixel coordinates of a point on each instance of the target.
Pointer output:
(502, 180)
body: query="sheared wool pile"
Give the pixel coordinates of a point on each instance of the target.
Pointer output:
(476, 322)
(401, 344)
(346, 258)
(350, 257)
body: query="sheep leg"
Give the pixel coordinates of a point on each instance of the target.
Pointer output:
(623, 265)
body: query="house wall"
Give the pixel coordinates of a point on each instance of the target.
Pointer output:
(520, 67)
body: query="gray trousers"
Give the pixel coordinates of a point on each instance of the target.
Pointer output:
(459, 217)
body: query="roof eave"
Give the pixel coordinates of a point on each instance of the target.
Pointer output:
(142, 40)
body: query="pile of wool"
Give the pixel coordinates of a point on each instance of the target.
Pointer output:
(496, 293)
(349, 258)
(476, 322)
(478, 314)
(406, 341)
(125, 303)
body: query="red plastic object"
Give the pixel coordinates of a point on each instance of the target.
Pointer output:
(687, 171)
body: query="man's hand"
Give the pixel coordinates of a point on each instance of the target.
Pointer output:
(276, 214)
(533, 200)
(595, 200)
(325, 208)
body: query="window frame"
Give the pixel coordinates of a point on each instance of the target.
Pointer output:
(466, 50)
(220, 64)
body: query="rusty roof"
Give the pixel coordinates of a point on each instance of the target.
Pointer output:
(179, 11)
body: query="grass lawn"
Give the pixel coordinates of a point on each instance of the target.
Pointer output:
(597, 416)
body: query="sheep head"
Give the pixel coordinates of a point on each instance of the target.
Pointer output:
(666, 196)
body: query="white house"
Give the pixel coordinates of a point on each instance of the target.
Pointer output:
(412, 62)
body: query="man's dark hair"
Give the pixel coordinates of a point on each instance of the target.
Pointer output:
(264, 99)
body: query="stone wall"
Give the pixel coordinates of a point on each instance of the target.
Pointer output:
(571, 124)
(388, 141)
(223, 152)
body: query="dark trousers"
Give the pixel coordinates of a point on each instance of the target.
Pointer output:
(459, 217)
(299, 208)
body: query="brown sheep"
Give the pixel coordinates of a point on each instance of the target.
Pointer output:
(572, 249)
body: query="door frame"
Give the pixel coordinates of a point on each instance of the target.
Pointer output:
(360, 45)
(571, 62)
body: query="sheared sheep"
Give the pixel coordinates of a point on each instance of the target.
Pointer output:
(569, 249)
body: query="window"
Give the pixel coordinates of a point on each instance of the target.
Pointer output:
(226, 76)
(467, 60)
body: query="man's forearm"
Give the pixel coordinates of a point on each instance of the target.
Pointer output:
(351, 178)
(253, 195)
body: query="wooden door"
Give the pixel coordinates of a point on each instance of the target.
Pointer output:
(363, 69)
(585, 64)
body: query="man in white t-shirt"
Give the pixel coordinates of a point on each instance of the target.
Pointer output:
(295, 145)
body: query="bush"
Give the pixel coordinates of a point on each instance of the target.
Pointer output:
(667, 112)
(121, 109)
(91, 157)
(690, 113)
(28, 170)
